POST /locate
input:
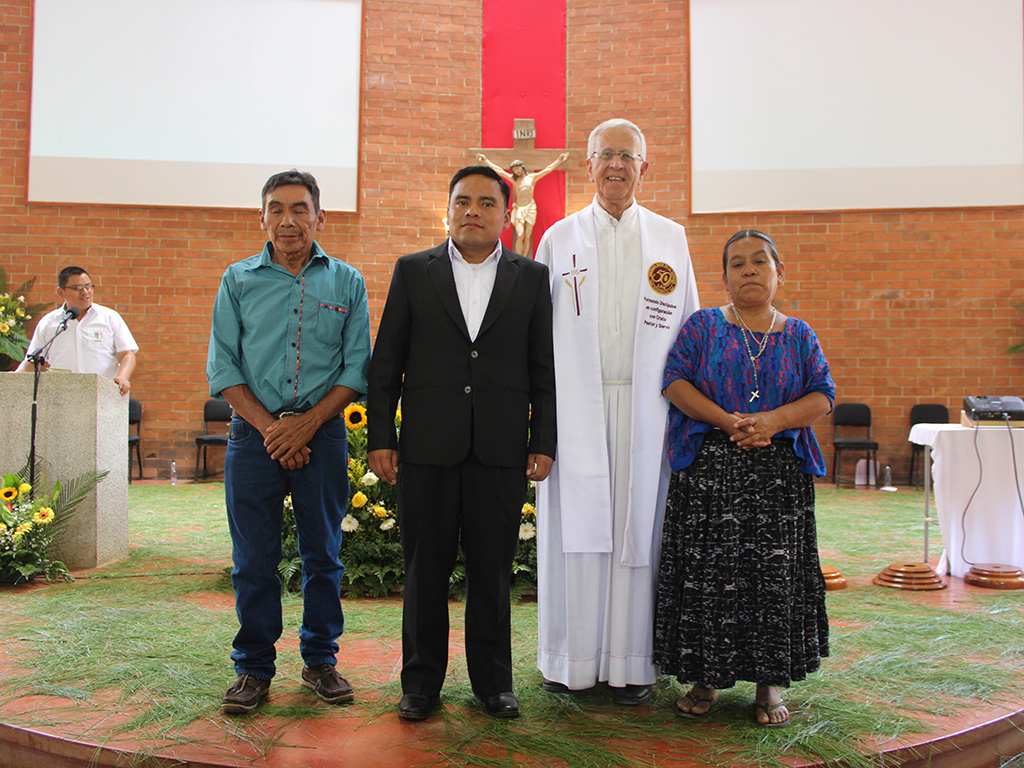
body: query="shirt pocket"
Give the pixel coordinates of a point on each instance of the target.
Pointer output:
(329, 321)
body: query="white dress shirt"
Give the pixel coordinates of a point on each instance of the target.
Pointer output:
(474, 283)
(91, 344)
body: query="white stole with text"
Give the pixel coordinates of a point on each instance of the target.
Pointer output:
(668, 295)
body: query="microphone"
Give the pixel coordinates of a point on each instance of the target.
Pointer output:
(39, 355)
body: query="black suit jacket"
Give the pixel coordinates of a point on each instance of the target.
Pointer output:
(495, 394)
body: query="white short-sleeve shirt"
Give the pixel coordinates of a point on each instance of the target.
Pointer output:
(91, 344)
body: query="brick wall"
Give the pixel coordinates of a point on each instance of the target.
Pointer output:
(896, 297)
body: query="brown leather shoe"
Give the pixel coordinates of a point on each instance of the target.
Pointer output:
(325, 681)
(245, 694)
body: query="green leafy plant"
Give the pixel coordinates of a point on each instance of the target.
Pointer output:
(371, 548)
(30, 520)
(14, 313)
(1017, 349)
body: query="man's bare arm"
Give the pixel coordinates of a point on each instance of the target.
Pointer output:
(497, 168)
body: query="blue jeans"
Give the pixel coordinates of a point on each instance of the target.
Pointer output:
(255, 486)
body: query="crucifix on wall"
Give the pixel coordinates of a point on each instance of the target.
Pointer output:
(519, 160)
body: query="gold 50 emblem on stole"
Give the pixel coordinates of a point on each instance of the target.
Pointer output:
(662, 278)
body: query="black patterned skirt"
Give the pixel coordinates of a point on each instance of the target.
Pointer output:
(740, 590)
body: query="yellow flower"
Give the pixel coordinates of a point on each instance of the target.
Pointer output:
(529, 509)
(3, 528)
(359, 500)
(355, 416)
(398, 415)
(43, 516)
(19, 312)
(4, 328)
(21, 530)
(24, 488)
(8, 494)
(379, 511)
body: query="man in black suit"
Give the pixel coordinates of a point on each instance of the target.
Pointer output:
(465, 342)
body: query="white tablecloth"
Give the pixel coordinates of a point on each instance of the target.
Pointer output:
(994, 523)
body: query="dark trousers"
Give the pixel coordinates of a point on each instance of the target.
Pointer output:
(437, 508)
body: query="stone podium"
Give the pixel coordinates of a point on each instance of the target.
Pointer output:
(81, 425)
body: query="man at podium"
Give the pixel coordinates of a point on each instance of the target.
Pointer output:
(97, 339)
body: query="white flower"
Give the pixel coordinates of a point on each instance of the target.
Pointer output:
(21, 299)
(369, 479)
(527, 531)
(349, 524)
(388, 524)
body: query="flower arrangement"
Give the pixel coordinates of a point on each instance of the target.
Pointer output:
(371, 548)
(14, 313)
(29, 522)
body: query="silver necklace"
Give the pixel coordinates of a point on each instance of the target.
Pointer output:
(744, 330)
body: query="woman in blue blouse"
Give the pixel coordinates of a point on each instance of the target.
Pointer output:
(740, 590)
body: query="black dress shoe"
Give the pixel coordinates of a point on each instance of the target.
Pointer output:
(500, 704)
(632, 695)
(552, 687)
(416, 706)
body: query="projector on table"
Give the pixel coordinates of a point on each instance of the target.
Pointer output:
(987, 408)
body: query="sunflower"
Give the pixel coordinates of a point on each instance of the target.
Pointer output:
(355, 416)
(43, 516)
(9, 493)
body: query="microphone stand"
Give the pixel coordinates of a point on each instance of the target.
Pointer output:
(38, 357)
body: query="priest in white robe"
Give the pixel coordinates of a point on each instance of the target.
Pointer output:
(622, 286)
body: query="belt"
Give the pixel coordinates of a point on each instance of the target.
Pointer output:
(283, 414)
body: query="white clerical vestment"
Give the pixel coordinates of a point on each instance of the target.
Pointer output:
(620, 291)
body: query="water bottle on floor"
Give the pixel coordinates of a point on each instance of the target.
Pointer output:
(887, 479)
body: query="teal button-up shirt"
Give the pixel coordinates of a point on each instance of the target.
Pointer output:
(290, 338)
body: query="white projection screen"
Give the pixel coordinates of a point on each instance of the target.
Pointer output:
(193, 103)
(805, 105)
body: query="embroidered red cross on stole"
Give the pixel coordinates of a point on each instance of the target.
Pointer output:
(577, 280)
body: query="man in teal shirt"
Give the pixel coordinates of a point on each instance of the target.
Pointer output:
(289, 350)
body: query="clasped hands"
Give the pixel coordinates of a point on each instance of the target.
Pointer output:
(753, 430)
(285, 440)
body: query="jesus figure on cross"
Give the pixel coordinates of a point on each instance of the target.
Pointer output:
(524, 207)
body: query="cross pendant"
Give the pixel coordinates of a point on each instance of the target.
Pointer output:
(754, 393)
